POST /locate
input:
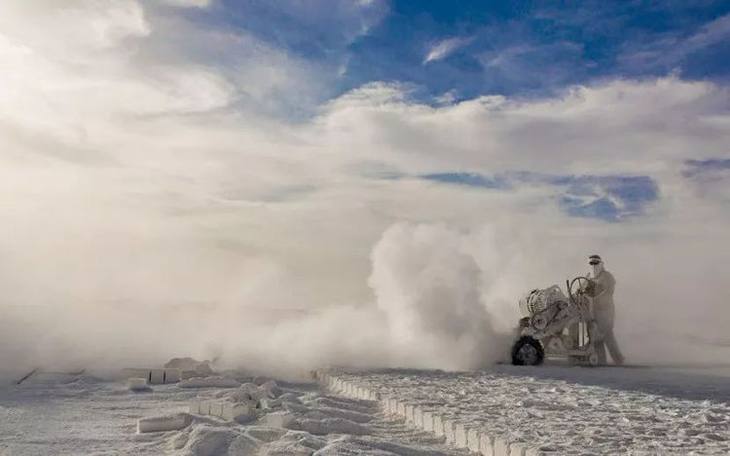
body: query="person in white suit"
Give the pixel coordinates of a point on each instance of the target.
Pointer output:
(604, 311)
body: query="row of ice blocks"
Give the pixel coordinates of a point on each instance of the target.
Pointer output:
(226, 410)
(458, 434)
(153, 376)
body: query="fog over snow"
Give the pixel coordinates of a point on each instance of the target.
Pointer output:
(171, 185)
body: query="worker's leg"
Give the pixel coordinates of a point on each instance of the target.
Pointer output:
(601, 352)
(604, 319)
(610, 342)
(596, 336)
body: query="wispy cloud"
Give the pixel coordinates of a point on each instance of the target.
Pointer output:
(669, 50)
(710, 178)
(444, 48)
(698, 168)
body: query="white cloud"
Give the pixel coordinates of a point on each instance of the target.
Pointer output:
(188, 3)
(137, 177)
(60, 29)
(444, 48)
(671, 50)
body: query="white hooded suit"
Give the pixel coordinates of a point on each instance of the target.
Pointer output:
(604, 313)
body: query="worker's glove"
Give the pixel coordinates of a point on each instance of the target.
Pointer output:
(590, 288)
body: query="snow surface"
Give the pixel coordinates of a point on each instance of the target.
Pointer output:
(67, 415)
(570, 410)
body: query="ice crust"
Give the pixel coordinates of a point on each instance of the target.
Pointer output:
(507, 414)
(364, 413)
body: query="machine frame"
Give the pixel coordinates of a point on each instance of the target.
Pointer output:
(558, 326)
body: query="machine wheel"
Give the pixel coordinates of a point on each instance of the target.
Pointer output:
(592, 359)
(527, 351)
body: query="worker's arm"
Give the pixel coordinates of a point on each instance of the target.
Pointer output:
(608, 283)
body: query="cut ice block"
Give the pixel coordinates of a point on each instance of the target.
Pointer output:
(517, 449)
(153, 376)
(216, 408)
(438, 426)
(428, 421)
(449, 431)
(418, 417)
(409, 413)
(501, 447)
(164, 423)
(472, 440)
(460, 435)
(486, 444)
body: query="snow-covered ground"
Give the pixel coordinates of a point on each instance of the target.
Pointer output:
(70, 415)
(572, 410)
(568, 410)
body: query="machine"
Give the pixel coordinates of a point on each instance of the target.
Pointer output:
(556, 325)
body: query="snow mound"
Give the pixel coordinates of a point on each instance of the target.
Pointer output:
(279, 419)
(265, 433)
(293, 443)
(190, 367)
(138, 385)
(248, 392)
(244, 445)
(270, 389)
(207, 440)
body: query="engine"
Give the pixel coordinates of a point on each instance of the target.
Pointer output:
(547, 310)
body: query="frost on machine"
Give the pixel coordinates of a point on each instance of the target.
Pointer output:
(557, 325)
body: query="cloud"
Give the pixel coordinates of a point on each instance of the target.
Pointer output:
(444, 48)
(149, 181)
(674, 49)
(609, 198)
(188, 3)
(698, 168)
(709, 178)
(86, 26)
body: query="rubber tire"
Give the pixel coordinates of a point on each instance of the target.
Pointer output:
(592, 360)
(531, 341)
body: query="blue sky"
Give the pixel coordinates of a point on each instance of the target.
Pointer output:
(608, 109)
(444, 52)
(609, 198)
(490, 47)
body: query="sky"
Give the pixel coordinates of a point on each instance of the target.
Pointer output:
(197, 162)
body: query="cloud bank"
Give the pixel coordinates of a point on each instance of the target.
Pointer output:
(147, 185)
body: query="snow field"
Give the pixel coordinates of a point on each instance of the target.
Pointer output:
(80, 414)
(493, 413)
(456, 433)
